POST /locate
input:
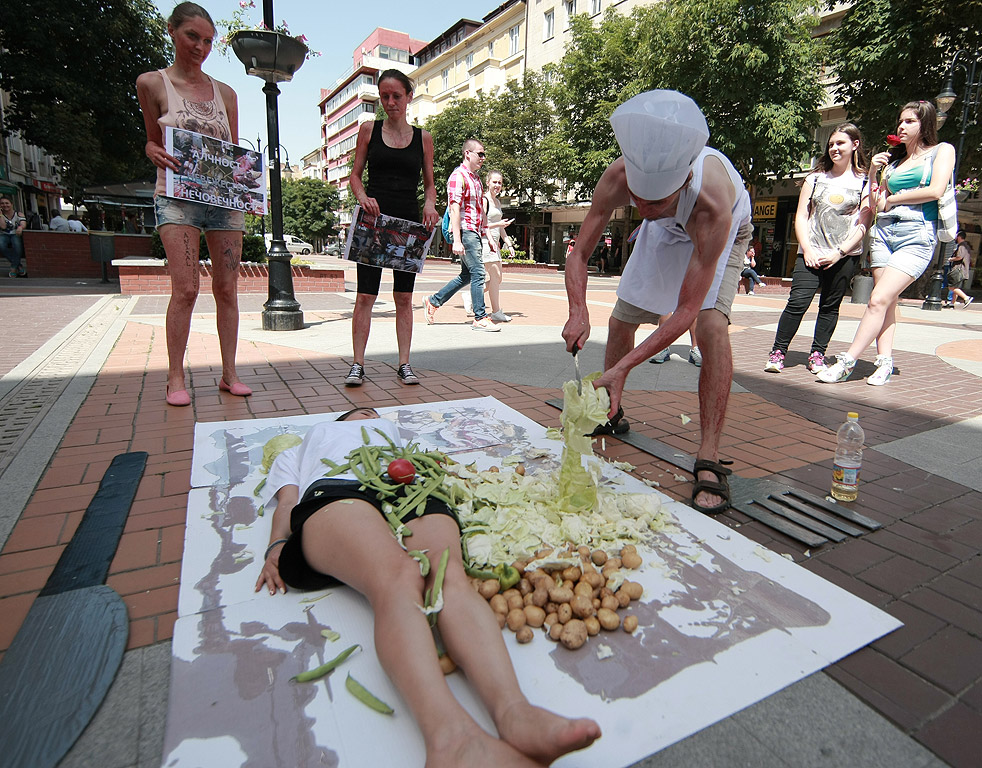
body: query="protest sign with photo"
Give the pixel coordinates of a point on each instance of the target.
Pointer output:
(215, 172)
(387, 241)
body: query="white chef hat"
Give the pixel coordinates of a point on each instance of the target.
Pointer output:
(660, 133)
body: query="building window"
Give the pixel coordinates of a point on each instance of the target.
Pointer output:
(548, 24)
(445, 75)
(469, 60)
(491, 48)
(570, 7)
(594, 7)
(513, 40)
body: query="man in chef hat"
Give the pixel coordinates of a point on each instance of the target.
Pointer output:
(686, 261)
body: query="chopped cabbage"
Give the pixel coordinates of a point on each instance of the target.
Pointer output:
(275, 446)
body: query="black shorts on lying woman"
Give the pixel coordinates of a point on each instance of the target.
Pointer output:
(294, 569)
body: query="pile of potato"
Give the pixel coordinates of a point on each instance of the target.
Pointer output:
(572, 602)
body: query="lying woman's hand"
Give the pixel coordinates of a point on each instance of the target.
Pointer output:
(270, 574)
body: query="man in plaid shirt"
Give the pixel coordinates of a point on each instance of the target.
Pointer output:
(468, 224)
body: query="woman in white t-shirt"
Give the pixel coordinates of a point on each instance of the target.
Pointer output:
(832, 218)
(491, 244)
(328, 530)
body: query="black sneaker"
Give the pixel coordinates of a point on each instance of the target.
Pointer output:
(406, 375)
(356, 376)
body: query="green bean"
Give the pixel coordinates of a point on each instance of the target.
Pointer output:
(323, 669)
(262, 484)
(366, 697)
(424, 561)
(392, 445)
(434, 595)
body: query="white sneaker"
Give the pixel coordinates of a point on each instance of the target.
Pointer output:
(883, 372)
(695, 357)
(839, 371)
(500, 317)
(484, 324)
(662, 357)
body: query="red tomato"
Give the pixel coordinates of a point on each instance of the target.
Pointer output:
(402, 471)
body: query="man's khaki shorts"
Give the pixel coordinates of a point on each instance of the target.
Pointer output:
(632, 315)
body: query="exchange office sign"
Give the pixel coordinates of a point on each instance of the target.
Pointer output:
(765, 208)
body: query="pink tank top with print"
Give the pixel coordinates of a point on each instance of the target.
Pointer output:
(207, 117)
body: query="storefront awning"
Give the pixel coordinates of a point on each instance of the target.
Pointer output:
(135, 194)
(7, 188)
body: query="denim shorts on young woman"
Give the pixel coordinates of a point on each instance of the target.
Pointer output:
(903, 239)
(190, 214)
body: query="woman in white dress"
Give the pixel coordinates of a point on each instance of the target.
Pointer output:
(492, 247)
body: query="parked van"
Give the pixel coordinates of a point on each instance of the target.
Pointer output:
(293, 244)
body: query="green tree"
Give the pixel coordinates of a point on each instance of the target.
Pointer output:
(308, 208)
(598, 72)
(463, 119)
(753, 68)
(889, 52)
(520, 121)
(71, 70)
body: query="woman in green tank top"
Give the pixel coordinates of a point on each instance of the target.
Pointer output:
(917, 173)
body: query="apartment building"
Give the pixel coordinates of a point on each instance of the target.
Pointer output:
(470, 59)
(28, 174)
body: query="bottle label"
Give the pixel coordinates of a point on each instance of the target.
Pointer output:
(847, 476)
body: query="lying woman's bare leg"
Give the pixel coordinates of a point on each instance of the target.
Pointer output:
(352, 541)
(474, 641)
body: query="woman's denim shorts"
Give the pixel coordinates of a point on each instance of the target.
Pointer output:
(188, 213)
(903, 239)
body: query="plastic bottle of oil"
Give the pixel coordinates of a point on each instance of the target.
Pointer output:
(848, 459)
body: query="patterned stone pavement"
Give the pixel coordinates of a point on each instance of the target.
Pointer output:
(924, 566)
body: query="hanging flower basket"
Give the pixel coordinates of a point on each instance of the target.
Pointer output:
(272, 56)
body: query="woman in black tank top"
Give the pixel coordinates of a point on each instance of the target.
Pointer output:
(396, 155)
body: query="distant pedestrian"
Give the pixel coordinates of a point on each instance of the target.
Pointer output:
(76, 225)
(59, 223)
(491, 248)
(960, 275)
(467, 223)
(182, 96)
(12, 225)
(831, 221)
(748, 273)
(396, 155)
(918, 170)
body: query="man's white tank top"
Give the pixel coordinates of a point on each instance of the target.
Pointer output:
(654, 273)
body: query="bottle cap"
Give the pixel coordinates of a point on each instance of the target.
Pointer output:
(852, 415)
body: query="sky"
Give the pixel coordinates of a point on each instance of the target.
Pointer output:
(333, 28)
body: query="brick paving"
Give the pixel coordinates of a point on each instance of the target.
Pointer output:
(924, 566)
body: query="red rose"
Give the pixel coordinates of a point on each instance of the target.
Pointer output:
(894, 140)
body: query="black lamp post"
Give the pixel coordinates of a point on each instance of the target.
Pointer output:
(258, 147)
(971, 97)
(274, 57)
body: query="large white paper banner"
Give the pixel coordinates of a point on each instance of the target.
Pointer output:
(723, 623)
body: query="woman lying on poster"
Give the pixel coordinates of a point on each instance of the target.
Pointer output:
(337, 533)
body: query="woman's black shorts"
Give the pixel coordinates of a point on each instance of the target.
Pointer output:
(369, 279)
(295, 571)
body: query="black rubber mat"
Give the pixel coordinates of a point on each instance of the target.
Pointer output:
(56, 673)
(65, 655)
(85, 561)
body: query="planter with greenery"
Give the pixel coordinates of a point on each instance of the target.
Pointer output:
(273, 55)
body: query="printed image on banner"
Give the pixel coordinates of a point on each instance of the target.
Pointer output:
(387, 241)
(215, 172)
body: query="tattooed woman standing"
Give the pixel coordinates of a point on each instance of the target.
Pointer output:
(182, 96)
